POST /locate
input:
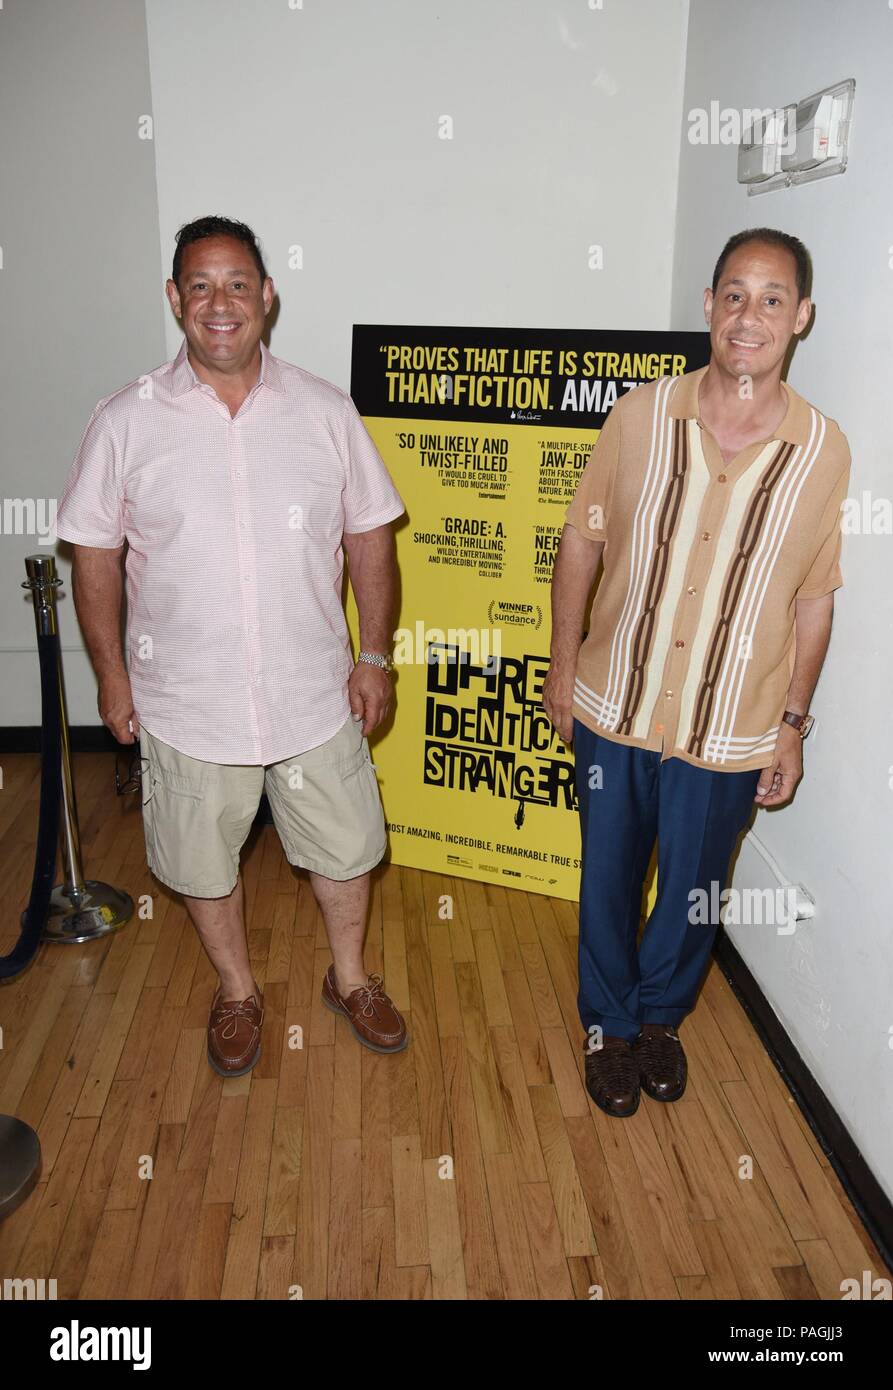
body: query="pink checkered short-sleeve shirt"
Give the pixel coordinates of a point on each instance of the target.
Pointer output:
(237, 641)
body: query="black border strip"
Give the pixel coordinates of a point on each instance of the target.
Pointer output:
(873, 1206)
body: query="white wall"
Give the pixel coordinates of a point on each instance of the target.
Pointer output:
(319, 127)
(830, 983)
(79, 286)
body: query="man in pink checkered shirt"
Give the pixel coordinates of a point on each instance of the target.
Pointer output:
(237, 482)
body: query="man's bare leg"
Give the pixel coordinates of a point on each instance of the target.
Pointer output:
(344, 904)
(220, 923)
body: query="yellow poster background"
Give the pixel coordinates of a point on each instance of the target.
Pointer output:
(500, 805)
(486, 433)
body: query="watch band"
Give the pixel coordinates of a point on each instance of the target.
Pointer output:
(377, 659)
(801, 722)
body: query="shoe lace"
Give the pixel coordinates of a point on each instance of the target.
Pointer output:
(229, 1013)
(369, 993)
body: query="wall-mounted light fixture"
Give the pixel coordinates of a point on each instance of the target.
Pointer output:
(793, 144)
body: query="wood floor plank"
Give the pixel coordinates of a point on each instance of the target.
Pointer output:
(246, 1230)
(670, 1215)
(517, 1105)
(481, 1259)
(346, 1222)
(410, 1215)
(444, 1232)
(512, 1240)
(546, 1247)
(564, 1180)
(284, 1183)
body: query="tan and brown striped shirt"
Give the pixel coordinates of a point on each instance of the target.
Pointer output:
(690, 647)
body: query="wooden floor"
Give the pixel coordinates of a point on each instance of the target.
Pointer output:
(470, 1166)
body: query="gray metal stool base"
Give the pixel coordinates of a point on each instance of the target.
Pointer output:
(98, 910)
(19, 1162)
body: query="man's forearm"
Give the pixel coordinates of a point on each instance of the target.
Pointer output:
(98, 588)
(576, 565)
(812, 634)
(372, 562)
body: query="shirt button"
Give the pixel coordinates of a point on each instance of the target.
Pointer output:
(705, 536)
(658, 728)
(722, 478)
(669, 694)
(691, 589)
(680, 644)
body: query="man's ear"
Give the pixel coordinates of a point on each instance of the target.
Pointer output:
(708, 306)
(173, 297)
(804, 313)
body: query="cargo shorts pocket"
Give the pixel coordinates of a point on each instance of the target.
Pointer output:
(172, 812)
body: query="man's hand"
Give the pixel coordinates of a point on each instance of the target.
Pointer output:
(369, 690)
(115, 705)
(558, 698)
(778, 780)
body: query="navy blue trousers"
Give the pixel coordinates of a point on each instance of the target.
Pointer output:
(696, 816)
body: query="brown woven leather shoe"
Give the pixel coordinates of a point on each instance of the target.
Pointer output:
(234, 1033)
(373, 1018)
(612, 1077)
(660, 1057)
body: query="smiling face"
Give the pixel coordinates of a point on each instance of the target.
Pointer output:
(222, 303)
(756, 310)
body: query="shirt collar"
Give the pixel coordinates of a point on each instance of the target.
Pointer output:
(795, 428)
(183, 377)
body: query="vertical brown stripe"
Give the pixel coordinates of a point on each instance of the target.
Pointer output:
(657, 576)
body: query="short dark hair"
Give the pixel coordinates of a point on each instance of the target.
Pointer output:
(769, 236)
(204, 227)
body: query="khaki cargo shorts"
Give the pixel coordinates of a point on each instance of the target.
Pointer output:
(197, 815)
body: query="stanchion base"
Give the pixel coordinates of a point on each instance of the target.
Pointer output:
(19, 1162)
(100, 910)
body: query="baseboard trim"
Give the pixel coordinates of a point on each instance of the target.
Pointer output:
(871, 1202)
(83, 738)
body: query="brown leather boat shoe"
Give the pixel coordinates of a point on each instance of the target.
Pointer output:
(234, 1033)
(373, 1018)
(612, 1077)
(660, 1057)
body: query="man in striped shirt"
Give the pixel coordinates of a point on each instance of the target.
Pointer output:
(713, 500)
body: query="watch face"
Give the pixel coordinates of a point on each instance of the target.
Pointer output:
(808, 721)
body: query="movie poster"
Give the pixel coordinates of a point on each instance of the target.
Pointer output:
(486, 432)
